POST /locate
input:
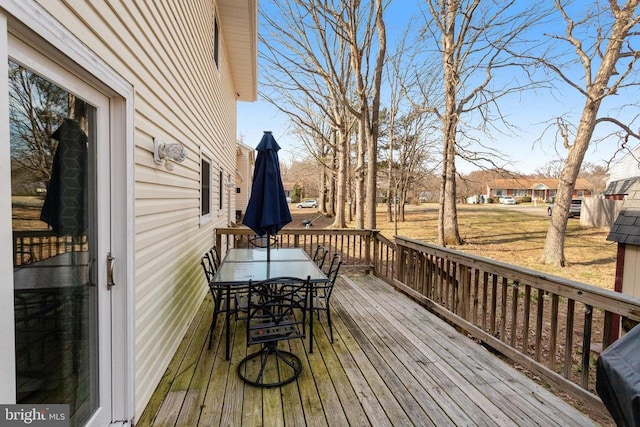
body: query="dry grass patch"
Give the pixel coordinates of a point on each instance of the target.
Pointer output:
(515, 236)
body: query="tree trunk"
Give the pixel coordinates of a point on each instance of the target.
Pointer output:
(342, 147)
(322, 203)
(335, 168)
(372, 182)
(553, 252)
(448, 224)
(359, 177)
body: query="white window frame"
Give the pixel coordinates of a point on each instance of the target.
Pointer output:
(205, 156)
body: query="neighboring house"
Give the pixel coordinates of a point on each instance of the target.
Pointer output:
(623, 175)
(150, 76)
(245, 161)
(626, 232)
(536, 188)
(288, 188)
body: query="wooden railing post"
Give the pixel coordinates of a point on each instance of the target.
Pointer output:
(464, 291)
(376, 250)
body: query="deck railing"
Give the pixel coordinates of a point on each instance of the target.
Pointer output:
(35, 245)
(355, 246)
(552, 327)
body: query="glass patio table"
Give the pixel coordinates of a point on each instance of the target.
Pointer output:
(242, 265)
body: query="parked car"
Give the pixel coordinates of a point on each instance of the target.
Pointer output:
(574, 208)
(309, 203)
(507, 200)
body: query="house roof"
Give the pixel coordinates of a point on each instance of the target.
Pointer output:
(626, 228)
(536, 183)
(621, 186)
(239, 25)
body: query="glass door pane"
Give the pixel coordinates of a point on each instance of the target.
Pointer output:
(54, 244)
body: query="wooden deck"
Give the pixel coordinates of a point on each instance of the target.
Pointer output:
(392, 363)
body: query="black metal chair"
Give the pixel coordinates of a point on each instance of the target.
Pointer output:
(214, 257)
(320, 255)
(217, 292)
(321, 292)
(277, 312)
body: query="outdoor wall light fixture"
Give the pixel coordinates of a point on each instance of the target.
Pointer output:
(164, 154)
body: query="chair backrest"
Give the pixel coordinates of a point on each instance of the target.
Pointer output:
(277, 310)
(263, 241)
(208, 267)
(334, 268)
(320, 255)
(214, 256)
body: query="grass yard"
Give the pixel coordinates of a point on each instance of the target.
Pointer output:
(514, 235)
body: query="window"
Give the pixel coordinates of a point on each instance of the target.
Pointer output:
(220, 184)
(216, 41)
(205, 187)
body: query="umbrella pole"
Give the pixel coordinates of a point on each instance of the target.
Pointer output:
(268, 248)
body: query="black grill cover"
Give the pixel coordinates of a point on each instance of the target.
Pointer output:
(618, 379)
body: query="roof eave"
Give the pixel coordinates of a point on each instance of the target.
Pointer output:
(239, 25)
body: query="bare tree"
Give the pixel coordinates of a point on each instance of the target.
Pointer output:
(38, 107)
(404, 145)
(602, 41)
(480, 44)
(551, 170)
(596, 175)
(361, 25)
(307, 69)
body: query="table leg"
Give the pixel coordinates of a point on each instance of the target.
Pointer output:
(311, 317)
(228, 324)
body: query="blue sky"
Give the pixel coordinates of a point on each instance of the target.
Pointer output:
(525, 149)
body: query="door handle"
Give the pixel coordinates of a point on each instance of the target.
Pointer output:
(91, 280)
(110, 264)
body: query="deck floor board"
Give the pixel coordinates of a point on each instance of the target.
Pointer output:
(392, 363)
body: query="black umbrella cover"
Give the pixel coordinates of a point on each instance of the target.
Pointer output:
(267, 211)
(64, 204)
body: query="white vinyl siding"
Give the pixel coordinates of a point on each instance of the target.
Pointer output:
(164, 49)
(627, 167)
(244, 175)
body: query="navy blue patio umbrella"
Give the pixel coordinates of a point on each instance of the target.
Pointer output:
(267, 211)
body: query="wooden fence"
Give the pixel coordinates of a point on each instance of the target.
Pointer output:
(552, 327)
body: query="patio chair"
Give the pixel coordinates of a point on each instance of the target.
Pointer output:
(277, 312)
(214, 257)
(320, 255)
(217, 292)
(322, 291)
